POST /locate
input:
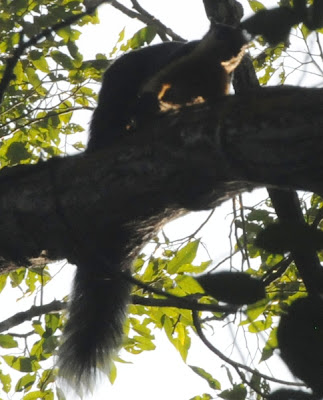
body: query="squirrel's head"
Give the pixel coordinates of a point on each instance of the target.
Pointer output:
(228, 41)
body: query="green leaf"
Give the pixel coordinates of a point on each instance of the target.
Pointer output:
(17, 152)
(69, 34)
(38, 328)
(52, 322)
(74, 51)
(305, 31)
(50, 344)
(35, 81)
(22, 364)
(204, 396)
(37, 350)
(259, 326)
(141, 328)
(62, 59)
(19, 73)
(5, 381)
(195, 269)
(112, 373)
(270, 346)
(213, 383)
(177, 333)
(17, 276)
(254, 311)
(188, 284)
(31, 280)
(38, 395)
(152, 270)
(256, 5)
(38, 60)
(144, 343)
(259, 215)
(144, 35)
(239, 392)
(7, 342)
(266, 353)
(183, 342)
(25, 382)
(3, 281)
(184, 256)
(48, 377)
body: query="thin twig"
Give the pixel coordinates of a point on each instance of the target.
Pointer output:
(236, 365)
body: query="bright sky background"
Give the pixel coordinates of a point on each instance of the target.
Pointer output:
(160, 374)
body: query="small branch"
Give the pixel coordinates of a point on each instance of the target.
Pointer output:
(148, 19)
(22, 335)
(234, 364)
(193, 234)
(180, 302)
(288, 209)
(244, 249)
(129, 13)
(56, 305)
(161, 28)
(34, 311)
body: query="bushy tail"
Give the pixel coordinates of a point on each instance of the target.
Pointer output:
(95, 326)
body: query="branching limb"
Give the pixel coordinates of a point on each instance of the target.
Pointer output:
(56, 305)
(144, 16)
(173, 300)
(288, 209)
(180, 302)
(236, 365)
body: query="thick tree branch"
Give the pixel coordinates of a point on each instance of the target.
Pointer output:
(116, 199)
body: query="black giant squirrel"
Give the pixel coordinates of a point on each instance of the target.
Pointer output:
(136, 85)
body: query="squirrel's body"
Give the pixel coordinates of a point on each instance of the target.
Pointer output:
(202, 74)
(131, 87)
(118, 97)
(135, 87)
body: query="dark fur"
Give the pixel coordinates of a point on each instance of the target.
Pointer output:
(129, 94)
(95, 326)
(118, 102)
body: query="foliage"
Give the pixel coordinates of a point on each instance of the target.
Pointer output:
(52, 84)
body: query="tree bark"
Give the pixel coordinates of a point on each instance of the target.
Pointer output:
(117, 198)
